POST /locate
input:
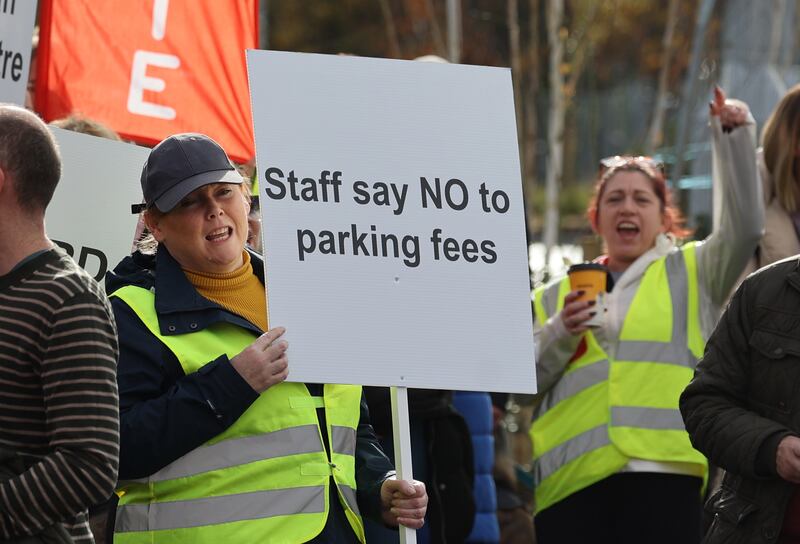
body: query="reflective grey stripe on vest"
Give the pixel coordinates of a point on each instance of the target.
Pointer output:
(597, 437)
(656, 352)
(343, 439)
(349, 495)
(216, 510)
(550, 299)
(570, 450)
(240, 451)
(660, 419)
(573, 383)
(676, 351)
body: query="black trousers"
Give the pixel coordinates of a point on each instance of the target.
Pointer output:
(627, 508)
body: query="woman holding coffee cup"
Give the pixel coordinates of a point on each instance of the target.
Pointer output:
(612, 460)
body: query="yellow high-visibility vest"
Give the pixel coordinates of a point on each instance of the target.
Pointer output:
(265, 478)
(609, 408)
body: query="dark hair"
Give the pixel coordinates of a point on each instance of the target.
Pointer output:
(657, 181)
(28, 152)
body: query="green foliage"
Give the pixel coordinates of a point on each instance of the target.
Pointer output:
(572, 200)
(572, 203)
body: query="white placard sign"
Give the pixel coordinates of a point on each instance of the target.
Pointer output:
(90, 214)
(393, 221)
(17, 18)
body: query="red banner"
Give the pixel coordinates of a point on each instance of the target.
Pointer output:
(150, 68)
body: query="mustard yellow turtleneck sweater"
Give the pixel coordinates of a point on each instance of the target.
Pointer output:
(239, 291)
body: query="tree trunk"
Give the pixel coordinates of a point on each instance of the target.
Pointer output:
(531, 95)
(263, 24)
(454, 30)
(512, 18)
(655, 136)
(436, 30)
(555, 126)
(581, 52)
(391, 30)
(690, 86)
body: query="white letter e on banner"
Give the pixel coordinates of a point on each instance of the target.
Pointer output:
(140, 82)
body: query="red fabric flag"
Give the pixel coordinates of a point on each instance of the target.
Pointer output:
(151, 68)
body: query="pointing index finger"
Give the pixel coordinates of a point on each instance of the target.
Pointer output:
(719, 101)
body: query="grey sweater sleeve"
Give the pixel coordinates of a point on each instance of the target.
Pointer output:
(554, 346)
(738, 218)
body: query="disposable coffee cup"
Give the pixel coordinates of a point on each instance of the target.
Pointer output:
(591, 278)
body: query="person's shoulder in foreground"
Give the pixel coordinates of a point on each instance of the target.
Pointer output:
(741, 409)
(59, 423)
(56, 266)
(768, 285)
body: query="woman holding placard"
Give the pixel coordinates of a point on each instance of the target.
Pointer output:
(612, 460)
(215, 445)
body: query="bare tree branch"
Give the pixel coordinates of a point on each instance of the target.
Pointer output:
(391, 30)
(655, 135)
(555, 125)
(512, 19)
(436, 29)
(532, 92)
(583, 44)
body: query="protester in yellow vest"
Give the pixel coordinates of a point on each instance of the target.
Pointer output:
(612, 460)
(215, 445)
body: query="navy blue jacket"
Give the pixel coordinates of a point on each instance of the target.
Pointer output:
(165, 414)
(476, 407)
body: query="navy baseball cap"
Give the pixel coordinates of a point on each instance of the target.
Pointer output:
(179, 165)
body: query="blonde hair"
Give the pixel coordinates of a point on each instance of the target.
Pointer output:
(147, 242)
(85, 125)
(779, 140)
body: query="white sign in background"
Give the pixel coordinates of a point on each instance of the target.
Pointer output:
(17, 18)
(343, 144)
(90, 214)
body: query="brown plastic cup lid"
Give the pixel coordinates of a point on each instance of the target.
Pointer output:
(587, 266)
